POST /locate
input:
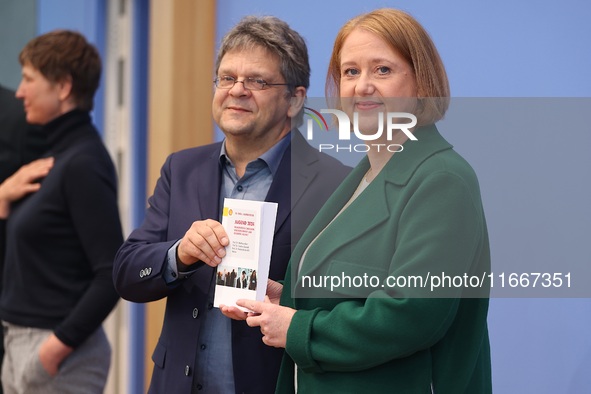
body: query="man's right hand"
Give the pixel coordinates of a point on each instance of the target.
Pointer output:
(205, 241)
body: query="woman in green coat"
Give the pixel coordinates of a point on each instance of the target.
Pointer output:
(380, 294)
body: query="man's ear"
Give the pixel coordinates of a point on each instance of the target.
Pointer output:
(297, 101)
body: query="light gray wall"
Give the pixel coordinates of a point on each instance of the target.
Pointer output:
(18, 24)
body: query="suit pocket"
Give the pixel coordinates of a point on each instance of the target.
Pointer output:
(159, 355)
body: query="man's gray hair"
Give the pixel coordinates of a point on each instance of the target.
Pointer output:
(277, 37)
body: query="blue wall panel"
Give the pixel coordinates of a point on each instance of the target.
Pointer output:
(501, 49)
(87, 17)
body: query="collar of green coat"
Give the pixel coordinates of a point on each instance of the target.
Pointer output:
(403, 165)
(398, 170)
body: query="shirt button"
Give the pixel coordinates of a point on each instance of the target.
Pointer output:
(187, 370)
(239, 188)
(195, 313)
(203, 347)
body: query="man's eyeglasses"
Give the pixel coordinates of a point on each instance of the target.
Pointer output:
(227, 82)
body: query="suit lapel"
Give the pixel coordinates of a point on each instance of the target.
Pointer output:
(205, 186)
(279, 191)
(208, 185)
(298, 164)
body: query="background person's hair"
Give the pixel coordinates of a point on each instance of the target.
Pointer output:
(62, 54)
(409, 39)
(278, 38)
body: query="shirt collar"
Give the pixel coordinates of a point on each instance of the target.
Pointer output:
(272, 157)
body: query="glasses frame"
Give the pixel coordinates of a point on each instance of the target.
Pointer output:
(250, 81)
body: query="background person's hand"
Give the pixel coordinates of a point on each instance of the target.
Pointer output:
(24, 181)
(52, 353)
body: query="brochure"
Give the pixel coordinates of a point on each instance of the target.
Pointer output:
(244, 270)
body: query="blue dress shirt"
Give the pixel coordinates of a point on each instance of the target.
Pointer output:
(213, 368)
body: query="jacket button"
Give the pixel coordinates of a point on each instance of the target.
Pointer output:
(145, 272)
(195, 313)
(203, 347)
(210, 306)
(187, 370)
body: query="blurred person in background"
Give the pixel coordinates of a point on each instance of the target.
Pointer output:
(20, 143)
(62, 230)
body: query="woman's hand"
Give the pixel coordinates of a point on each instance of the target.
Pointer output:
(52, 353)
(233, 312)
(274, 290)
(274, 320)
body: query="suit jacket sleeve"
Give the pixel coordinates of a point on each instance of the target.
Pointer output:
(140, 262)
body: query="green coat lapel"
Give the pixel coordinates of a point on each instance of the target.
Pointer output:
(354, 223)
(403, 165)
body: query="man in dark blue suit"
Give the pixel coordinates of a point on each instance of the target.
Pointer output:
(262, 77)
